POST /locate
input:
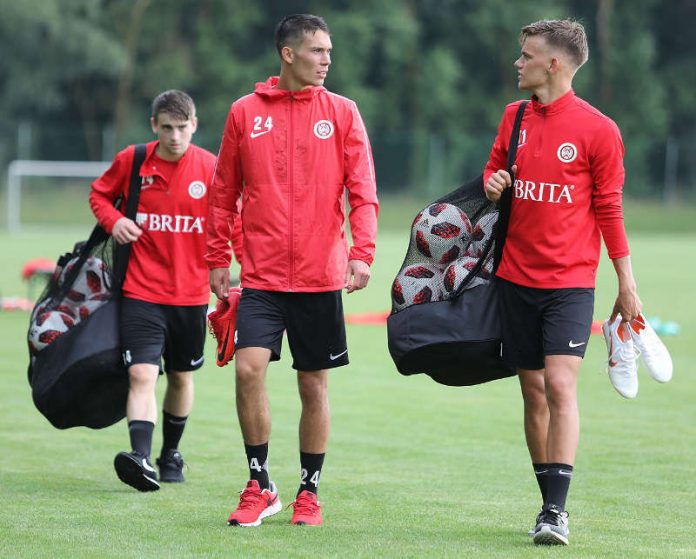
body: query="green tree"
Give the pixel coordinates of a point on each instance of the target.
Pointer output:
(58, 59)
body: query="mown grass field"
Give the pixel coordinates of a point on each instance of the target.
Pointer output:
(414, 469)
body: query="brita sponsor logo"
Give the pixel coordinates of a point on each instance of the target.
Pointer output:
(170, 223)
(544, 192)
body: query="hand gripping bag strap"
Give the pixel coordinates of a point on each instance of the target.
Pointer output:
(122, 252)
(505, 203)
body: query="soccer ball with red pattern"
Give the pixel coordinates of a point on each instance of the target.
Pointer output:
(417, 284)
(441, 232)
(481, 235)
(46, 327)
(90, 289)
(92, 280)
(457, 272)
(89, 306)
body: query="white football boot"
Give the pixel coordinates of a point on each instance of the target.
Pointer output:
(653, 352)
(622, 364)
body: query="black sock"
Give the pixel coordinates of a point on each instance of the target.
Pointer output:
(557, 484)
(172, 430)
(311, 470)
(141, 436)
(541, 471)
(257, 458)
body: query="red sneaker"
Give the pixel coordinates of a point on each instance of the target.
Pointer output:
(255, 504)
(306, 510)
(222, 323)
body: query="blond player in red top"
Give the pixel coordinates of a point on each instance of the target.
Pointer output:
(567, 190)
(293, 150)
(165, 293)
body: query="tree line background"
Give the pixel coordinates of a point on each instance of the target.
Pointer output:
(431, 77)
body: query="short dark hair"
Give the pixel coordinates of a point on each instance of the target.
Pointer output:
(174, 102)
(566, 34)
(291, 29)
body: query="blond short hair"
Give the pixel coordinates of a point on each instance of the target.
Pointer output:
(566, 34)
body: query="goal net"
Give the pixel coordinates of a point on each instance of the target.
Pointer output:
(50, 193)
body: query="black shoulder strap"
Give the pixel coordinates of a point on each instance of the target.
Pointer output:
(515, 136)
(135, 182)
(122, 252)
(505, 203)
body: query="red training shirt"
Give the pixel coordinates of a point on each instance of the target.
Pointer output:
(567, 190)
(166, 263)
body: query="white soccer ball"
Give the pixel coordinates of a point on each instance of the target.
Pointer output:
(47, 327)
(89, 306)
(442, 232)
(38, 310)
(481, 234)
(91, 281)
(417, 284)
(458, 271)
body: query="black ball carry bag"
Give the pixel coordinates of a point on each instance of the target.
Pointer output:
(76, 372)
(445, 320)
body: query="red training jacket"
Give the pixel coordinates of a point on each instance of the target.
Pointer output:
(166, 263)
(292, 155)
(567, 190)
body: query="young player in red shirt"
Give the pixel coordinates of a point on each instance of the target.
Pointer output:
(165, 292)
(567, 190)
(292, 150)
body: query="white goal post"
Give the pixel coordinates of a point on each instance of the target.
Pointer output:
(29, 168)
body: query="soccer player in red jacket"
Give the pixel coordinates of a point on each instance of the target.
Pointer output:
(567, 190)
(293, 150)
(165, 293)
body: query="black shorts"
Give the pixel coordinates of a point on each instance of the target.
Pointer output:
(150, 332)
(313, 321)
(540, 322)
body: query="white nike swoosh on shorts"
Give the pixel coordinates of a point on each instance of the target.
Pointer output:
(196, 362)
(334, 357)
(571, 343)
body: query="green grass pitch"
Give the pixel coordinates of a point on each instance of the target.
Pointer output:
(414, 469)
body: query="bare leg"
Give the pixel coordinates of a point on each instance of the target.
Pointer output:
(561, 395)
(142, 404)
(253, 409)
(316, 417)
(536, 413)
(178, 398)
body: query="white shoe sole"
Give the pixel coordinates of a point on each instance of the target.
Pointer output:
(130, 472)
(546, 536)
(268, 511)
(653, 352)
(624, 382)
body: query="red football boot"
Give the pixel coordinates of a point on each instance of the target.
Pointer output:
(222, 323)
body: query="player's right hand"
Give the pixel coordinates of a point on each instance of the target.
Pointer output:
(126, 231)
(497, 182)
(220, 282)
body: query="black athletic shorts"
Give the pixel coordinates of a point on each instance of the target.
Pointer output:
(313, 321)
(152, 332)
(540, 322)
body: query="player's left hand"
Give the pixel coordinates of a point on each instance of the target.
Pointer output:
(628, 304)
(219, 279)
(357, 275)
